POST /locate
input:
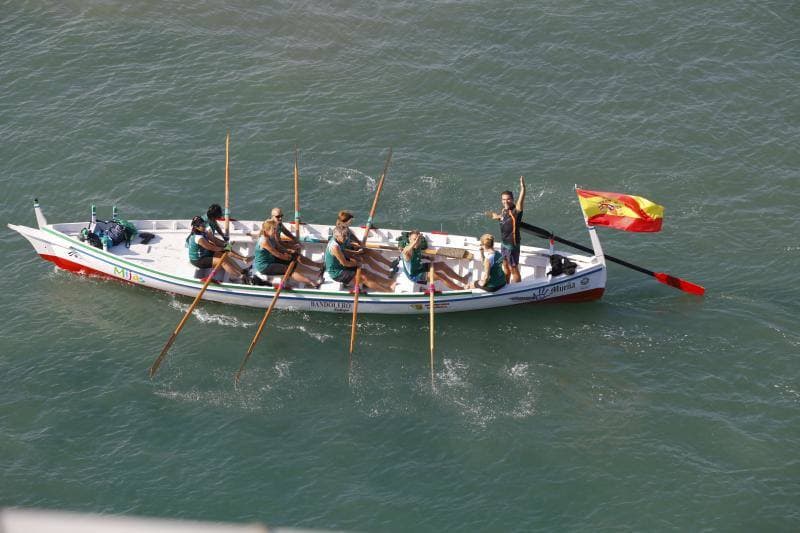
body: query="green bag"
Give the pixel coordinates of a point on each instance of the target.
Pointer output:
(402, 240)
(130, 229)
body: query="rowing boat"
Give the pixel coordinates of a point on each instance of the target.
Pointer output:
(162, 264)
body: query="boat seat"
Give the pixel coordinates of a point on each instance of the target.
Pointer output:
(268, 280)
(404, 284)
(330, 284)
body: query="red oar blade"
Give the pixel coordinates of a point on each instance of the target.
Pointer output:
(678, 283)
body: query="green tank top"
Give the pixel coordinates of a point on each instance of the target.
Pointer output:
(332, 265)
(263, 257)
(213, 225)
(196, 252)
(497, 278)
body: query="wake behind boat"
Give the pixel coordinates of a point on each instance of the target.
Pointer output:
(161, 263)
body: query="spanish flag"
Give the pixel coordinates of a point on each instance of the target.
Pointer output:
(620, 211)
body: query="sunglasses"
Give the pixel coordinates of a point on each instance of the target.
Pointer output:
(278, 216)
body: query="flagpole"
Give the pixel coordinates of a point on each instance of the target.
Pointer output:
(598, 249)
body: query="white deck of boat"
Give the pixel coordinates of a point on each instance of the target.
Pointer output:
(167, 252)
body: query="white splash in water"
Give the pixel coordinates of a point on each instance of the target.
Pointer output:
(208, 318)
(518, 371)
(320, 337)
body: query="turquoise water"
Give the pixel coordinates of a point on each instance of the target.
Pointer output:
(650, 409)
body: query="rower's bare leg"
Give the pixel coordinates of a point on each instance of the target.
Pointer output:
(375, 267)
(307, 261)
(506, 270)
(379, 274)
(447, 279)
(449, 282)
(309, 273)
(301, 278)
(379, 257)
(375, 283)
(442, 267)
(234, 272)
(515, 277)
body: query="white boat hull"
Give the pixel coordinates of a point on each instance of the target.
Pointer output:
(142, 265)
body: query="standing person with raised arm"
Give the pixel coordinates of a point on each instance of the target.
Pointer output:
(510, 218)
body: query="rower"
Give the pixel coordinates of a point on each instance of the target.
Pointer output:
(288, 242)
(213, 214)
(343, 269)
(272, 259)
(372, 258)
(417, 270)
(493, 277)
(204, 254)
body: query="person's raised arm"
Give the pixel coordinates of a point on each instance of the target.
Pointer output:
(486, 268)
(521, 199)
(408, 251)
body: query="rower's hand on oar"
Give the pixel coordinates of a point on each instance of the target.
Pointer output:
(492, 215)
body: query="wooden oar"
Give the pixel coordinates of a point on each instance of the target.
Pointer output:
(163, 354)
(363, 242)
(286, 276)
(296, 198)
(227, 187)
(663, 277)
(444, 251)
(432, 290)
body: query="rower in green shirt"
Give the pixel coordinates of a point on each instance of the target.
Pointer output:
(493, 277)
(417, 270)
(343, 269)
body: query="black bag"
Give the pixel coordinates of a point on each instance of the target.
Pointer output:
(91, 237)
(561, 265)
(116, 232)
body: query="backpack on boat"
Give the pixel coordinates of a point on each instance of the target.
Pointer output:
(402, 240)
(90, 237)
(561, 265)
(109, 232)
(130, 230)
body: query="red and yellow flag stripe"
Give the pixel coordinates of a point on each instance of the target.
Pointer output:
(620, 211)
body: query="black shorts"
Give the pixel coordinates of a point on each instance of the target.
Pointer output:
(346, 276)
(203, 262)
(274, 269)
(489, 288)
(510, 255)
